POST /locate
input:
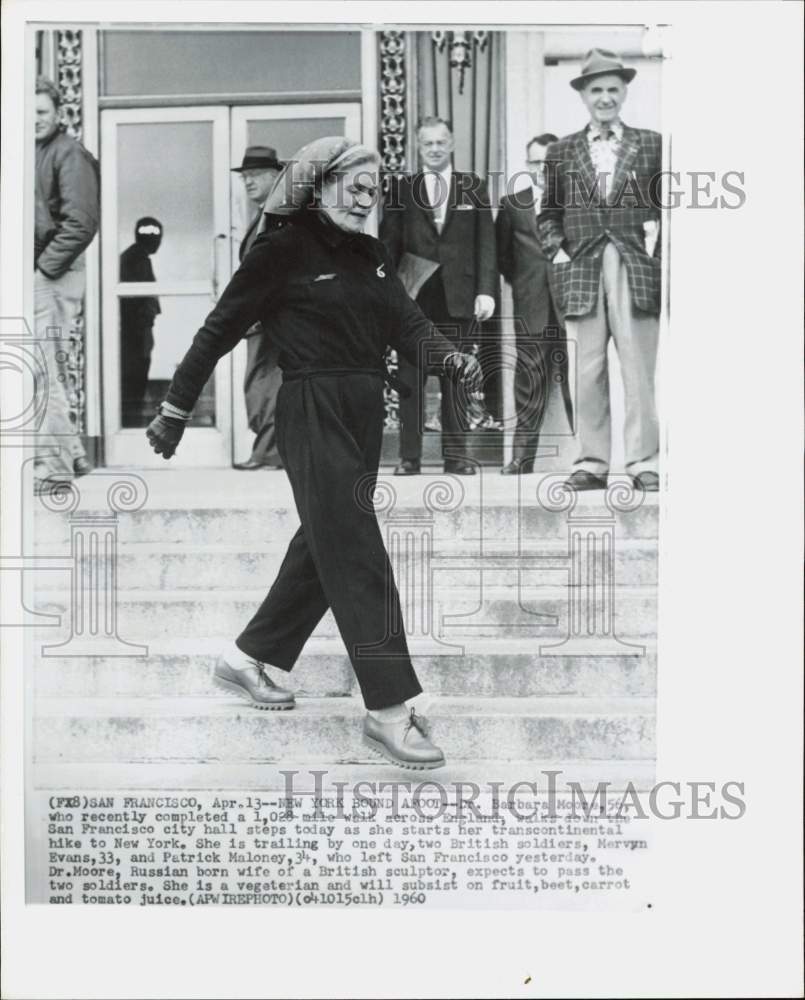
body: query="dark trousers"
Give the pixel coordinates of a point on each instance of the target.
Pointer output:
(261, 386)
(541, 363)
(329, 432)
(136, 345)
(431, 301)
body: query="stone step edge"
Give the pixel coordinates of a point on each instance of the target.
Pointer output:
(257, 595)
(233, 776)
(210, 646)
(341, 706)
(453, 548)
(232, 503)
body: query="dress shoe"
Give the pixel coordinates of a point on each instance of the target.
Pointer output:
(518, 467)
(404, 742)
(82, 466)
(647, 481)
(250, 465)
(253, 684)
(50, 486)
(581, 479)
(459, 468)
(408, 467)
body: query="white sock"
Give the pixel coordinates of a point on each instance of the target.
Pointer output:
(235, 657)
(395, 713)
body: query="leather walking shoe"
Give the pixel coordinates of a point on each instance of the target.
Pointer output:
(82, 466)
(648, 481)
(250, 465)
(408, 467)
(253, 684)
(519, 467)
(584, 480)
(458, 468)
(405, 742)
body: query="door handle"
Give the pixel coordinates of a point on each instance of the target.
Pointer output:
(215, 244)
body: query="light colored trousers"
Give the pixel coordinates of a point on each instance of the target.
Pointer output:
(635, 335)
(57, 302)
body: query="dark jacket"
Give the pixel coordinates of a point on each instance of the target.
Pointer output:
(577, 217)
(465, 248)
(327, 300)
(139, 311)
(523, 264)
(67, 205)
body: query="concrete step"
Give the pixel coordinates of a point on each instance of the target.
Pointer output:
(259, 527)
(170, 565)
(498, 668)
(329, 730)
(456, 614)
(256, 510)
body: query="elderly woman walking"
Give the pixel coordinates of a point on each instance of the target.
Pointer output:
(329, 299)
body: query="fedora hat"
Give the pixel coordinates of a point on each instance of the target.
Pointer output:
(600, 62)
(259, 158)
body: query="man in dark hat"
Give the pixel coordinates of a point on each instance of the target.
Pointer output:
(600, 227)
(137, 316)
(263, 378)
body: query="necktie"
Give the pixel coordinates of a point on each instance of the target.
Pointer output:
(438, 198)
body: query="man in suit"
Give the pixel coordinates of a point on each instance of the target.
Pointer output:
(438, 227)
(600, 227)
(137, 316)
(263, 378)
(526, 268)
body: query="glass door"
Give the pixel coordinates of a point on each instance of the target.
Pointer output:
(165, 234)
(286, 128)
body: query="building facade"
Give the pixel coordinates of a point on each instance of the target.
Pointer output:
(169, 111)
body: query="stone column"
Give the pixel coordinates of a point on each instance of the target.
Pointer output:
(94, 627)
(591, 559)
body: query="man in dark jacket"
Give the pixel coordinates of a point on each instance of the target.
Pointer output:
(261, 383)
(600, 228)
(536, 327)
(137, 315)
(438, 224)
(66, 221)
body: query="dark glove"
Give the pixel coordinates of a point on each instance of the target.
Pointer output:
(164, 433)
(466, 370)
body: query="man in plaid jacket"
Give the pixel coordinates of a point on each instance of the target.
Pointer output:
(600, 227)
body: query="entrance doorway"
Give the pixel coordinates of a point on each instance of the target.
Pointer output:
(172, 167)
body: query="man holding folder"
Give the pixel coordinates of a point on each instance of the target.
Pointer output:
(438, 228)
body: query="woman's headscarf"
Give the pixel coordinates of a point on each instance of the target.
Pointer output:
(309, 167)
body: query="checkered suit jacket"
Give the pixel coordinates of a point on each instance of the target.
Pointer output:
(581, 213)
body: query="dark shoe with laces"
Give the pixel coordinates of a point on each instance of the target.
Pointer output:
(518, 467)
(82, 466)
(584, 480)
(408, 467)
(250, 465)
(458, 468)
(253, 684)
(404, 742)
(648, 481)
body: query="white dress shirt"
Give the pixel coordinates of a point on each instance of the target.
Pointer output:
(604, 152)
(437, 188)
(539, 193)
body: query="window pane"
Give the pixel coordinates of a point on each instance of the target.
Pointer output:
(165, 172)
(155, 332)
(230, 62)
